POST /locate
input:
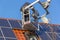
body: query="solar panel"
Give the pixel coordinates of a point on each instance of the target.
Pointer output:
(51, 31)
(8, 32)
(4, 23)
(15, 24)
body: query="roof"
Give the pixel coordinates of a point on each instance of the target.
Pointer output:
(46, 32)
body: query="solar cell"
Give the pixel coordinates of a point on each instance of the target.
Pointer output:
(8, 32)
(14, 24)
(4, 23)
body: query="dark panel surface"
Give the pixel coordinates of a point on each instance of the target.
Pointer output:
(14, 24)
(4, 23)
(8, 32)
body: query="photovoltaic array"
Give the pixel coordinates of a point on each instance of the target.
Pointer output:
(46, 32)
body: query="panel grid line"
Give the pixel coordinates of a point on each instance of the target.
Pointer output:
(9, 23)
(48, 35)
(57, 35)
(2, 34)
(53, 33)
(10, 38)
(19, 23)
(5, 27)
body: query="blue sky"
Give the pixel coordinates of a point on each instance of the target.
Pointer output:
(11, 9)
